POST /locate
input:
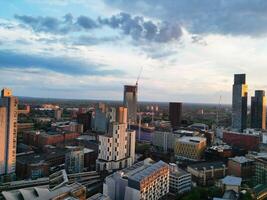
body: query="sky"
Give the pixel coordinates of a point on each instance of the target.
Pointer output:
(85, 49)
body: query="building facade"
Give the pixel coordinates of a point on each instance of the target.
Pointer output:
(8, 134)
(175, 114)
(247, 141)
(74, 160)
(241, 166)
(239, 103)
(117, 147)
(165, 141)
(258, 110)
(180, 180)
(143, 180)
(205, 174)
(190, 148)
(260, 176)
(130, 102)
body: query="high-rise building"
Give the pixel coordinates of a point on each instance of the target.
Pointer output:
(117, 147)
(239, 103)
(8, 134)
(130, 102)
(175, 114)
(258, 110)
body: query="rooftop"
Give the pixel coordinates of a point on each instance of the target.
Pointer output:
(99, 196)
(241, 159)
(232, 180)
(207, 165)
(191, 139)
(149, 170)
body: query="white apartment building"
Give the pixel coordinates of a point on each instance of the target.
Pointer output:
(117, 147)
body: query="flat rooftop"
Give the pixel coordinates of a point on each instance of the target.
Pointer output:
(207, 165)
(140, 175)
(241, 159)
(191, 139)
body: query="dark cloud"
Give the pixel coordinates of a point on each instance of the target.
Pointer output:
(134, 26)
(86, 22)
(65, 65)
(140, 29)
(58, 26)
(236, 17)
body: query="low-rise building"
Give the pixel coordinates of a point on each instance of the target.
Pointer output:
(240, 166)
(58, 188)
(207, 173)
(164, 140)
(218, 152)
(248, 140)
(231, 183)
(180, 180)
(190, 148)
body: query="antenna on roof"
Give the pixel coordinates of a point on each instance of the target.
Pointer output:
(218, 109)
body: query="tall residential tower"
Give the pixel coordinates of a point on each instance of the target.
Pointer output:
(258, 110)
(8, 134)
(117, 147)
(239, 103)
(130, 102)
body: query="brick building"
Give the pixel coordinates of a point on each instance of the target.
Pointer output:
(246, 141)
(240, 167)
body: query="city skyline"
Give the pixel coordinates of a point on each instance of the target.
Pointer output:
(68, 49)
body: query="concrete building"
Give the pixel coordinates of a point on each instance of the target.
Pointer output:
(164, 140)
(143, 180)
(58, 114)
(175, 114)
(130, 102)
(74, 160)
(180, 180)
(190, 148)
(117, 147)
(241, 166)
(8, 134)
(258, 110)
(231, 183)
(207, 173)
(239, 103)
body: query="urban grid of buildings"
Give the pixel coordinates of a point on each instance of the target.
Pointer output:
(129, 151)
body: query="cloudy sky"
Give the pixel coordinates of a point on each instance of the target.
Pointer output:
(88, 49)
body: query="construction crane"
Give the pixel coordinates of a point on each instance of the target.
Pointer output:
(139, 75)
